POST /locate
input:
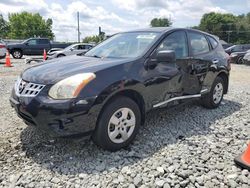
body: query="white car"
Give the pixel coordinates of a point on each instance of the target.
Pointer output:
(70, 50)
(3, 49)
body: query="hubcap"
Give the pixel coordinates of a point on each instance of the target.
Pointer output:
(17, 54)
(218, 93)
(121, 125)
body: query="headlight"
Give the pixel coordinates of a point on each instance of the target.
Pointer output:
(233, 55)
(70, 87)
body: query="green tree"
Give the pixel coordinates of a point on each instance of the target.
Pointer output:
(95, 38)
(229, 27)
(160, 22)
(24, 25)
(4, 27)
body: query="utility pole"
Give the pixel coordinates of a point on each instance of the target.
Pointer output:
(78, 27)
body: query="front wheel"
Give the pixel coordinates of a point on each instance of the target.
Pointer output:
(118, 124)
(17, 54)
(215, 96)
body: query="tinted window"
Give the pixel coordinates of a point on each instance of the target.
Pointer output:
(246, 46)
(88, 47)
(198, 43)
(81, 47)
(177, 42)
(32, 42)
(237, 48)
(43, 41)
(213, 42)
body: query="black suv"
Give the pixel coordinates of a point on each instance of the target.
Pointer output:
(107, 92)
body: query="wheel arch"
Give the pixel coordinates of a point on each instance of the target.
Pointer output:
(225, 78)
(13, 49)
(60, 55)
(130, 93)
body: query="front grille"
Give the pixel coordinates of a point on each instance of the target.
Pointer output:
(27, 89)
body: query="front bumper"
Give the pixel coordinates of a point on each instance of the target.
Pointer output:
(59, 118)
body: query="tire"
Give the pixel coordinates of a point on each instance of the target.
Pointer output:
(17, 54)
(111, 136)
(215, 96)
(240, 60)
(60, 55)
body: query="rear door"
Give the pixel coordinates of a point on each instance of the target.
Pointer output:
(42, 44)
(201, 58)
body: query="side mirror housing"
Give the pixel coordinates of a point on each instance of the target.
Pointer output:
(165, 56)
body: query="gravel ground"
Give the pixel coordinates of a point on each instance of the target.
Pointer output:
(185, 146)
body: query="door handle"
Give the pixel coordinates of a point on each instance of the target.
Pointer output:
(215, 61)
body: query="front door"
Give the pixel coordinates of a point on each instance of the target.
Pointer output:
(165, 80)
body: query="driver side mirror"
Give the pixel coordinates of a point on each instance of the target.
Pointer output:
(165, 56)
(26, 43)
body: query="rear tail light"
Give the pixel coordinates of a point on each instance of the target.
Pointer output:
(2, 46)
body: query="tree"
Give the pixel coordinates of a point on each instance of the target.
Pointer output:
(160, 22)
(95, 38)
(24, 25)
(4, 27)
(231, 28)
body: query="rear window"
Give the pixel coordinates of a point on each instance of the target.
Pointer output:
(199, 44)
(213, 42)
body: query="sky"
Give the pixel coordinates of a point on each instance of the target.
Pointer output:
(119, 15)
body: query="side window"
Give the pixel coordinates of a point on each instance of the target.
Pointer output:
(32, 42)
(82, 47)
(198, 43)
(177, 42)
(88, 46)
(213, 42)
(43, 41)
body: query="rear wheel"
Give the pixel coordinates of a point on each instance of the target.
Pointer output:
(240, 60)
(118, 124)
(17, 54)
(215, 96)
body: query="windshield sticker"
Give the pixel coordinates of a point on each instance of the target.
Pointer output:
(146, 37)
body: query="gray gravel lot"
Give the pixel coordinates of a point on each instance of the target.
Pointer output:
(185, 146)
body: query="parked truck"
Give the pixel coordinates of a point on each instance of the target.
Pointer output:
(33, 46)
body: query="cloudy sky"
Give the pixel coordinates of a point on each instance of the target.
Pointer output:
(119, 15)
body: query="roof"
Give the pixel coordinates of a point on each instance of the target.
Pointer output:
(153, 29)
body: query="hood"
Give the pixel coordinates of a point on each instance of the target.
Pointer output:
(57, 69)
(55, 52)
(13, 44)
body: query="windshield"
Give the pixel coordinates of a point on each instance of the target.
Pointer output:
(69, 47)
(124, 45)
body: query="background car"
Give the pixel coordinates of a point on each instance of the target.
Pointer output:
(237, 57)
(246, 58)
(33, 46)
(237, 48)
(3, 49)
(70, 50)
